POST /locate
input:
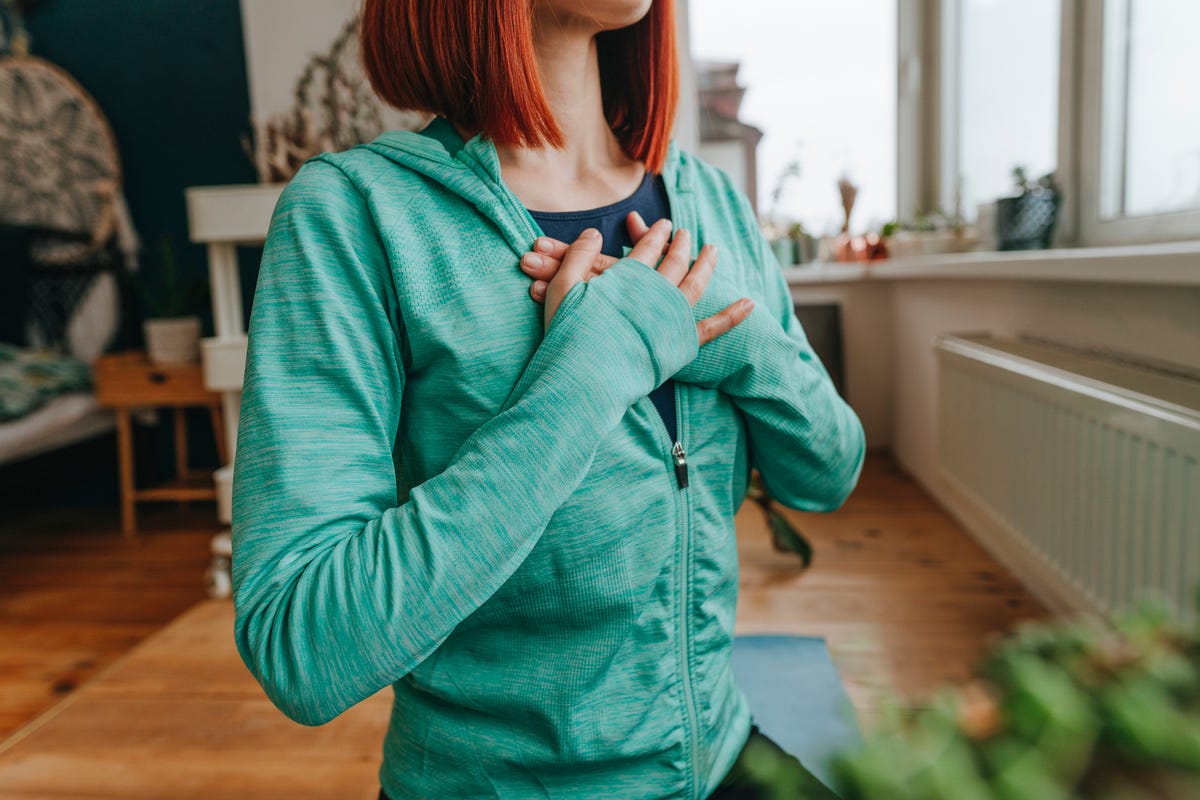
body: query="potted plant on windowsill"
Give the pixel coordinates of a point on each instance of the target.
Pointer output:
(172, 326)
(1026, 220)
(783, 235)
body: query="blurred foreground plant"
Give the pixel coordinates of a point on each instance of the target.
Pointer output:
(1066, 709)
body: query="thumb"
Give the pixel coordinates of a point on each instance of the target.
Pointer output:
(575, 266)
(577, 263)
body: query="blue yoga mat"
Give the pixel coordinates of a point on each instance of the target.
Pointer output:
(797, 698)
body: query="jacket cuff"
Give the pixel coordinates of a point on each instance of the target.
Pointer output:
(719, 358)
(615, 337)
(657, 310)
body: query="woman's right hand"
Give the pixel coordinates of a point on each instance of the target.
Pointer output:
(579, 263)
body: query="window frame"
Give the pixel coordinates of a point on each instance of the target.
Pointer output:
(1094, 229)
(927, 133)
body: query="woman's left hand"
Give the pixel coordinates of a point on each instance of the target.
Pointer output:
(543, 261)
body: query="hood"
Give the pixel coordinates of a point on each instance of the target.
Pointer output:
(471, 169)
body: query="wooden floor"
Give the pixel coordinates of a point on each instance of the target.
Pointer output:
(903, 597)
(180, 718)
(75, 594)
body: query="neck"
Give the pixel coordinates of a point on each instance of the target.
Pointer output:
(570, 75)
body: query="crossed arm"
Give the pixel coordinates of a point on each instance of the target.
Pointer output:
(806, 441)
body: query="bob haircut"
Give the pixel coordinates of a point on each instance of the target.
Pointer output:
(473, 62)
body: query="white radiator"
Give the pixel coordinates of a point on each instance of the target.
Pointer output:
(1078, 472)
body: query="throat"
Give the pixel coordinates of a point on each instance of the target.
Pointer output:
(592, 191)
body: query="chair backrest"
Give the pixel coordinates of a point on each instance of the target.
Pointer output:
(58, 156)
(60, 175)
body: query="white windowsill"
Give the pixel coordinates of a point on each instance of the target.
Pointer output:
(1173, 263)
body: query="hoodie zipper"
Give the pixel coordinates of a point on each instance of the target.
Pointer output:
(680, 200)
(675, 452)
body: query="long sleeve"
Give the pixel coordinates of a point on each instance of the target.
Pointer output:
(805, 440)
(338, 590)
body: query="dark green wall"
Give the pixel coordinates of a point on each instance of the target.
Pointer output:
(171, 77)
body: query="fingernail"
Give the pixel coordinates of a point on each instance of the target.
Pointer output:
(747, 304)
(542, 244)
(532, 260)
(590, 233)
(639, 217)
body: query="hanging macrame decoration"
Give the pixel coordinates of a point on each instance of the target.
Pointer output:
(60, 180)
(58, 157)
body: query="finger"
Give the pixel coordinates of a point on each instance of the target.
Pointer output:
(649, 248)
(554, 249)
(577, 262)
(602, 263)
(698, 276)
(636, 225)
(542, 262)
(675, 263)
(540, 267)
(549, 246)
(637, 229)
(537, 291)
(724, 320)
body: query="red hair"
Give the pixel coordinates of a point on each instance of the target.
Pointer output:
(473, 62)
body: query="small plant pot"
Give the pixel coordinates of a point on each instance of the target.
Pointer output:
(223, 482)
(1026, 222)
(172, 340)
(785, 251)
(806, 248)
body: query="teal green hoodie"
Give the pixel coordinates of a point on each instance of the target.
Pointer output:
(431, 493)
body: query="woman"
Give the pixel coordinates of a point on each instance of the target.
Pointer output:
(458, 472)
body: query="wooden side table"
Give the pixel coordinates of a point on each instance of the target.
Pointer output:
(127, 380)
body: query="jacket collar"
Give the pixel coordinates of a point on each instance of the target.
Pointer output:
(471, 169)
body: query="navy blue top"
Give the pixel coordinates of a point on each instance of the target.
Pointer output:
(650, 200)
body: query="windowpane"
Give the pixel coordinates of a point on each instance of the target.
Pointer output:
(1007, 53)
(820, 83)
(1150, 140)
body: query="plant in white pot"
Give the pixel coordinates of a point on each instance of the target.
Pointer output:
(172, 326)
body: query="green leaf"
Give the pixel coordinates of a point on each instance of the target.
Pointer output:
(787, 539)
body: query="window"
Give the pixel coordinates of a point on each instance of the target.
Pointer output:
(1149, 145)
(819, 81)
(1101, 91)
(1000, 97)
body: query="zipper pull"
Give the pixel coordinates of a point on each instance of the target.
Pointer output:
(680, 464)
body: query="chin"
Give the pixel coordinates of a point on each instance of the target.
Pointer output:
(603, 15)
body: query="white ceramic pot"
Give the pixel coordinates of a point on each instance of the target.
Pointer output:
(223, 479)
(224, 362)
(172, 340)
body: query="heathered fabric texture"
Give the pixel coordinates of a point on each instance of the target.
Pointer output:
(432, 494)
(649, 200)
